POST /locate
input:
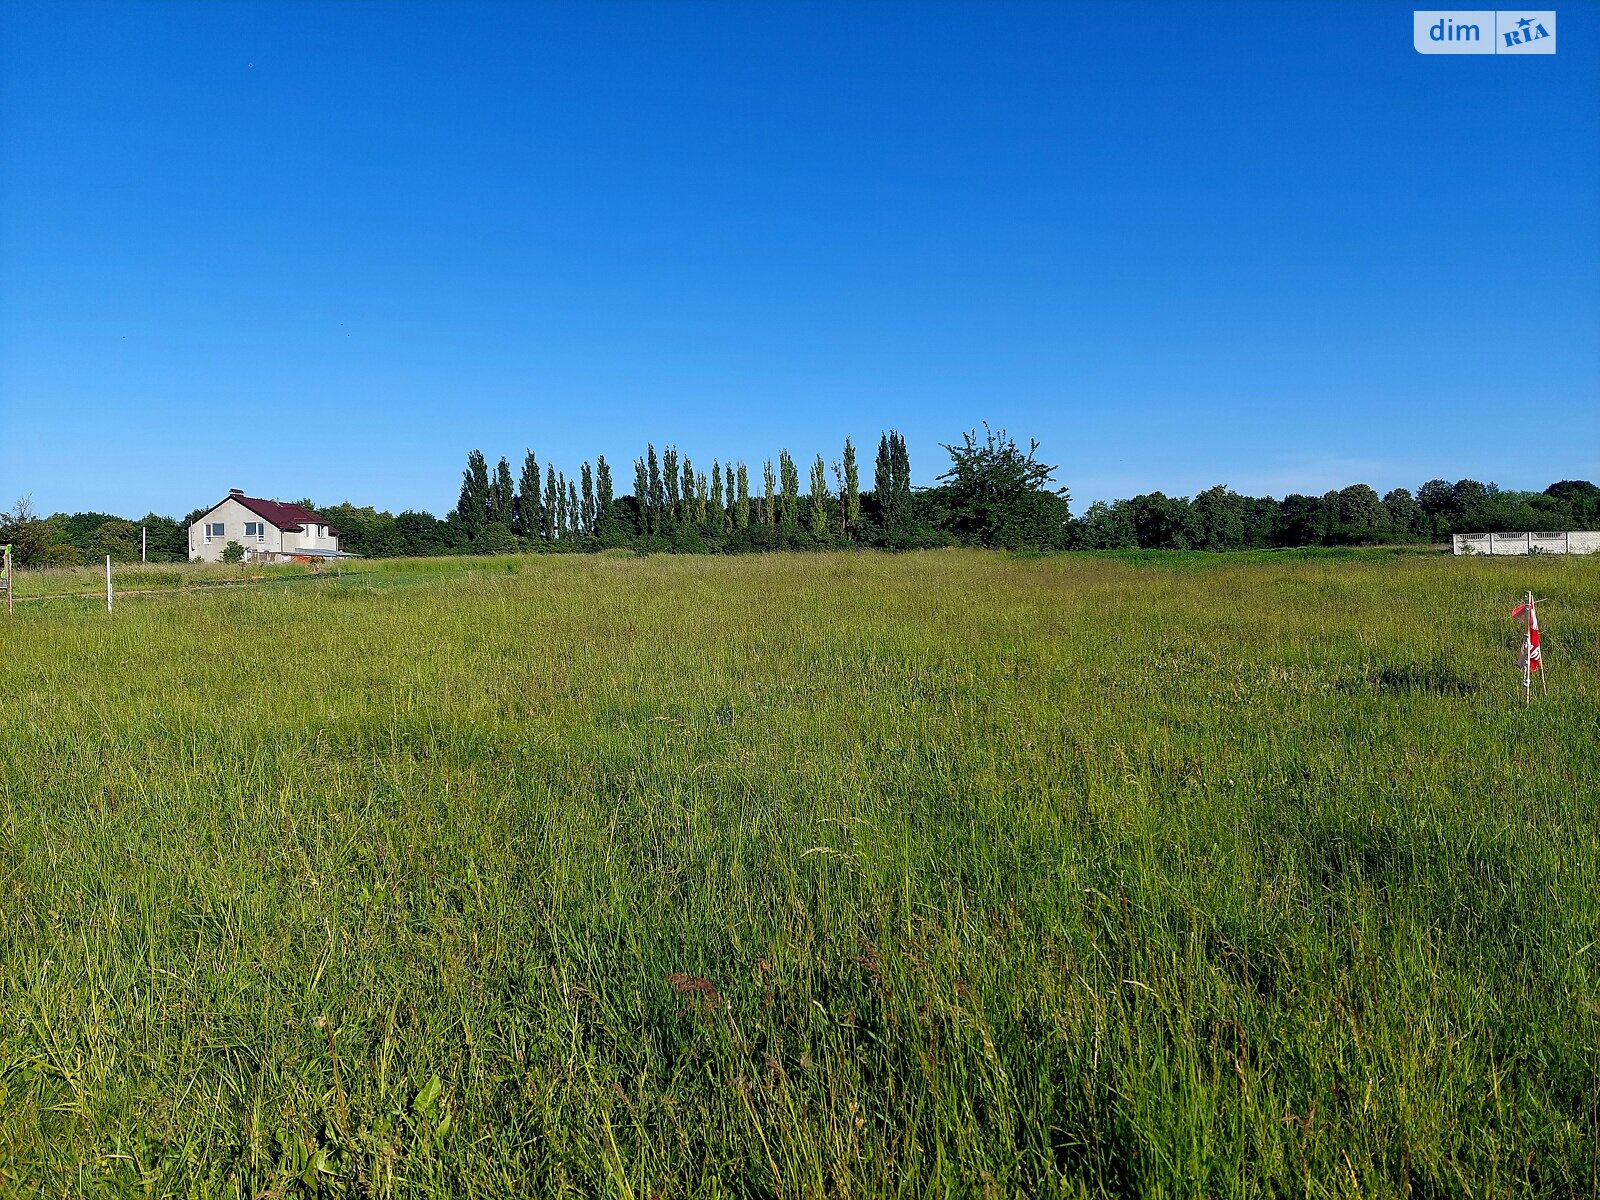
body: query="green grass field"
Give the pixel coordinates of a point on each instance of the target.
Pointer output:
(943, 874)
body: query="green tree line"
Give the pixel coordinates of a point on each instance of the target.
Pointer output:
(1220, 519)
(679, 505)
(993, 493)
(70, 540)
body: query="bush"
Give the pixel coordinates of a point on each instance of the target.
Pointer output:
(919, 537)
(685, 539)
(62, 554)
(232, 553)
(752, 539)
(495, 538)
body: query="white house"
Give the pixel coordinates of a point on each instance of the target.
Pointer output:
(268, 530)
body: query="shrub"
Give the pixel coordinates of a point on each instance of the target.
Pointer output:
(61, 554)
(495, 538)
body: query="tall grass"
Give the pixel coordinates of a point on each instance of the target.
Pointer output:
(937, 874)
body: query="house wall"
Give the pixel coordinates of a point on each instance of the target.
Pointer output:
(233, 515)
(312, 537)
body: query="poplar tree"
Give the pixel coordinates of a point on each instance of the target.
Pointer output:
(700, 499)
(653, 501)
(550, 502)
(602, 488)
(719, 513)
(769, 510)
(892, 481)
(528, 522)
(819, 497)
(563, 512)
(671, 478)
(573, 518)
(849, 492)
(641, 493)
(901, 462)
(588, 509)
(473, 505)
(789, 482)
(902, 478)
(741, 505)
(882, 483)
(503, 498)
(688, 490)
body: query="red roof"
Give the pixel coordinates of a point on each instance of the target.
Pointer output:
(289, 517)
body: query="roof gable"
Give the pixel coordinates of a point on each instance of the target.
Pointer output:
(290, 518)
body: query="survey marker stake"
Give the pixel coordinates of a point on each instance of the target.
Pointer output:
(1530, 660)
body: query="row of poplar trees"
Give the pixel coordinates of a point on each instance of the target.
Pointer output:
(670, 494)
(551, 509)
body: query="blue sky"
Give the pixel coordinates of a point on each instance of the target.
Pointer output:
(325, 250)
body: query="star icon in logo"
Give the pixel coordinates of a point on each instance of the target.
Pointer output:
(1525, 22)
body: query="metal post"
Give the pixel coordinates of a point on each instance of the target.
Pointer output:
(108, 583)
(143, 535)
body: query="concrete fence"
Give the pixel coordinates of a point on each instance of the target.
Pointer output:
(1526, 543)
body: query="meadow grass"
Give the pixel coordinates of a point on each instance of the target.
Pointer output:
(933, 874)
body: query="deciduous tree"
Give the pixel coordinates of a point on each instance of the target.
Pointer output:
(672, 481)
(1404, 511)
(641, 494)
(996, 494)
(657, 497)
(473, 504)
(819, 497)
(892, 482)
(588, 510)
(529, 522)
(552, 501)
(602, 486)
(1217, 519)
(849, 492)
(789, 493)
(718, 510)
(503, 495)
(1106, 527)
(1582, 500)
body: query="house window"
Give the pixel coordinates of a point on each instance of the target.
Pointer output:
(213, 531)
(256, 529)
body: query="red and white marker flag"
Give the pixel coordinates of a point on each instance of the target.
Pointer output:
(1529, 660)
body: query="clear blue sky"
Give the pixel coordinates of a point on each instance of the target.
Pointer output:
(328, 249)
